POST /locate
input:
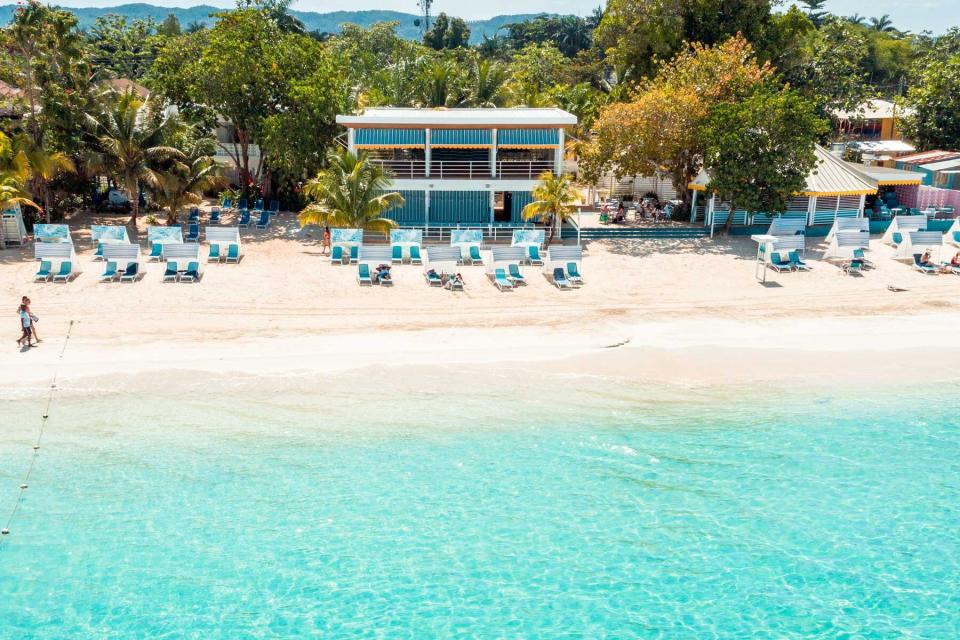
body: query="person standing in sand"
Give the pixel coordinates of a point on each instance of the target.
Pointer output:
(326, 241)
(25, 326)
(25, 301)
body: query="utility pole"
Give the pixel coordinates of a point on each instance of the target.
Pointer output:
(424, 20)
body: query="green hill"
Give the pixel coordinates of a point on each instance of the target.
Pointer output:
(329, 22)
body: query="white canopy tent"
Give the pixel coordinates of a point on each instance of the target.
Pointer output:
(12, 229)
(122, 254)
(790, 233)
(181, 251)
(223, 236)
(903, 225)
(843, 244)
(442, 259)
(374, 254)
(918, 242)
(953, 233)
(849, 225)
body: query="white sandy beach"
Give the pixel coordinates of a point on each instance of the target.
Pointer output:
(687, 311)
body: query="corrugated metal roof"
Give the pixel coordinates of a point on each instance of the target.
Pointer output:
(513, 117)
(887, 176)
(928, 156)
(386, 138)
(528, 138)
(943, 164)
(461, 138)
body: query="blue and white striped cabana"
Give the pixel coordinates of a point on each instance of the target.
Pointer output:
(903, 225)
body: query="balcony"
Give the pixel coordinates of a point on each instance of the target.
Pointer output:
(465, 170)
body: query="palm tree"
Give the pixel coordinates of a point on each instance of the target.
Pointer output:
(856, 19)
(351, 192)
(553, 202)
(883, 24)
(440, 77)
(14, 173)
(130, 142)
(489, 79)
(184, 181)
(44, 167)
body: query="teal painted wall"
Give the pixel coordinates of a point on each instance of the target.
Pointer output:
(460, 207)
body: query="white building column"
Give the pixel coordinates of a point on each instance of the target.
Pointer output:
(493, 203)
(558, 160)
(863, 205)
(493, 153)
(352, 140)
(811, 209)
(426, 151)
(426, 207)
(693, 206)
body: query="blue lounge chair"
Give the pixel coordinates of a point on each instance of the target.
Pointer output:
(854, 267)
(214, 255)
(897, 238)
(215, 216)
(192, 274)
(354, 254)
(43, 274)
(956, 237)
(98, 254)
(66, 270)
(242, 205)
(233, 252)
(475, 257)
(336, 254)
(110, 273)
(514, 275)
(244, 218)
(800, 265)
(193, 233)
(363, 274)
(170, 275)
(533, 255)
(500, 279)
(131, 272)
(560, 279)
(929, 269)
(779, 264)
(415, 255)
(396, 254)
(258, 205)
(859, 255)
(573, 274)
(227, 204)
(432, 278)
(274, 206)
(264, 220)
(194, 215)
(156, 252)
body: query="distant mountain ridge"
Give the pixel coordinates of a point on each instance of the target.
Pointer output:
(329, 22)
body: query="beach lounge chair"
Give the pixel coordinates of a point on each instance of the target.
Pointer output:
(98, 254)
(500, 279)
(475, 257)
(560, 279)
(797, 263)
(43, 273)
(336, 255)
(170, 275)
(396, 254)
(859, 255)
(258, 205)
(156, 252)
(897, 238)
(354, 254)
(779, 264)
(956, 237)
(131, 272)
(192, 274)
(514, 275)
(533, 255)
(921, 267)
(432, 278)
(415, 255)
(194, 215)
(110, 273)
(264, 220)
(215, 216)
(363, 274)
(244, 220)
(233, 253)
(227, 204)
(66, 270)
(193, 233)
(214, 255)
(573, 274)
(854, 267)
(242, 205)
(274, 206)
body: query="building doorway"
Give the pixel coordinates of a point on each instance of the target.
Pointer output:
(502, 206)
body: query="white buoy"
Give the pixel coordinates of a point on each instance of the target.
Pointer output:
(4, 531)
(23, 486)
(35, 447)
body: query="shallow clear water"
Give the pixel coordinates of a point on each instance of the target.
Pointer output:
(591, 509)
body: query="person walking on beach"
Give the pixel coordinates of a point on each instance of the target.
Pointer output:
(325, 250)
(25, 301)
(26, 325)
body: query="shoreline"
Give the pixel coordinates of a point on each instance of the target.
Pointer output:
(696, 352)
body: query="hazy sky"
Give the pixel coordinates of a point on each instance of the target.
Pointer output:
(912, 15)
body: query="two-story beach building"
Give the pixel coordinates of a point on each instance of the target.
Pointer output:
(461, 166)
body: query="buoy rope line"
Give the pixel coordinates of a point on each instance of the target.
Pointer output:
(36, 443)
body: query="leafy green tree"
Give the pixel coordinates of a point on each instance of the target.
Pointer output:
(182, 181)
(170, 26)
(883, 23)
(570, 34)
(760, 150)
(14, 173)
(836, 78)
(447, 33)
(634, 34)
(553, 202)
(935, 100)
(488, 79)
(535, 69)
(125, 49)
(44, 166)
(129, 140)
(278, 11)
(816, 11)
(351, 192)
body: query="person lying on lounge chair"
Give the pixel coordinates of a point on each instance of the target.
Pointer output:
(383, 272)
(926, 259)
(454, 282)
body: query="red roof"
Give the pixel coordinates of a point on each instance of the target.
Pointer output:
(927, 157)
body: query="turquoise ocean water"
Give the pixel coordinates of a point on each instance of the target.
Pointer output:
(590, 509)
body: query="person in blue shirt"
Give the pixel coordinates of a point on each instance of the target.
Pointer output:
(26, 324)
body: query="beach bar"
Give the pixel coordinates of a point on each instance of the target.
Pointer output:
(461, 167)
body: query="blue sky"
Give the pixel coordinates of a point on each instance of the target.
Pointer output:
(913, 15)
